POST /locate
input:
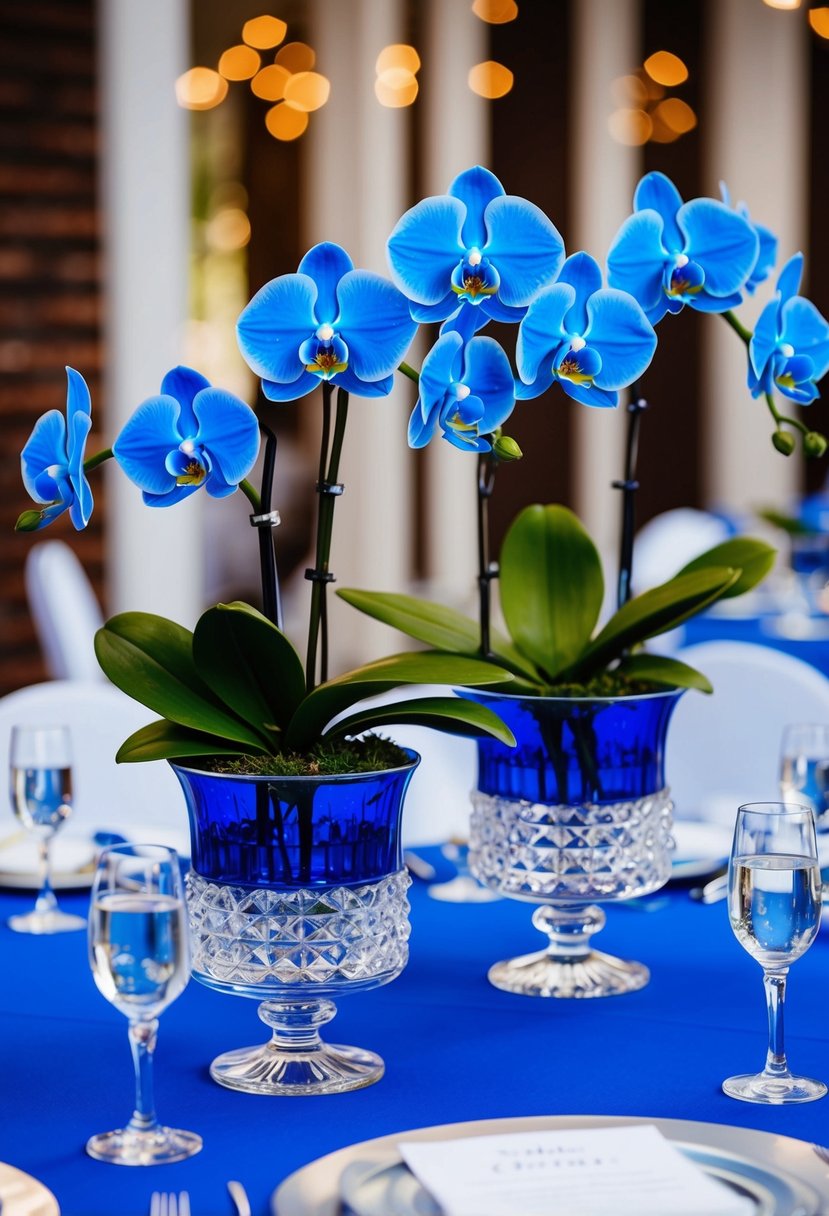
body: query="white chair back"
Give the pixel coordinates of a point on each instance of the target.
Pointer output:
(65, 611)
(670, 540)
(131, 799)
(723, 750)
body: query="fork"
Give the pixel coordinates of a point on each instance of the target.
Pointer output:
(165, 1203)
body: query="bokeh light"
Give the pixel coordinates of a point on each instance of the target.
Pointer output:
(665, 68)
(398, 55)
(676, 114)
(239, 63)
(200, 89)
(496, 12)
(819, 21)
(629, 91)
(490, 79)
(631, 127)
(782, 3)
(228, 230)
(307, 91)
(264, 32)
(396, 88)
(285, 123)
(269, 84)
(296, 57)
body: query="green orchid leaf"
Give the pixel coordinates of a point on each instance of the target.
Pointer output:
(438, 626)
(660, 669)
(789, 523)
(655, 611)
(551, 586)
(753, 558)
(249, 664)
(166, 741)
(336, 696)
(449, 714)
(151, 659)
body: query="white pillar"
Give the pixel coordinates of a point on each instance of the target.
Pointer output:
(456, 136)
(756, 140)
(603, 175)
(355, 194)
(154, 556)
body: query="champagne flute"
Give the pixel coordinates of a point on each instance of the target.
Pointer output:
(804, 768)
(774, 906)
(140, 959)
(40, 760)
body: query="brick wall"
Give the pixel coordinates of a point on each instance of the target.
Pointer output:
(50, 289)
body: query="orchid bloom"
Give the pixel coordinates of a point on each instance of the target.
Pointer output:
(52, 459)
(789, 349)
(466, 390)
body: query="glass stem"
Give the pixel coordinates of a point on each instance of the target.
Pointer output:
(143, 1037)
(775, 985)
(46, 901)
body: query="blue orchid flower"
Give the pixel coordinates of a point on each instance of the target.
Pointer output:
(52, 459)
(326, 322)
(767, 251)
(466, 389)
(191, 435)
(592, 339)
(474, 254)
(669, 253)
(789, 349)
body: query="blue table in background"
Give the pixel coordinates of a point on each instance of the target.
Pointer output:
(455, 1049)
(762, 631)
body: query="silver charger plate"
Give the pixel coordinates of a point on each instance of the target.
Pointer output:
(782, 1176)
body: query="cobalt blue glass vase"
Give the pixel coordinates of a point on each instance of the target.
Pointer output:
(297, 894)
(578, 812)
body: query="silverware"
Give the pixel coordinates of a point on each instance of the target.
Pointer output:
(419, 866)
(239, 1196)
(712, 892)
(166, 1203)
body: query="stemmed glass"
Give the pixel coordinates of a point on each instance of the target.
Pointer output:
(140, 959)
(40, 760)
(804, 768)
(774, 904)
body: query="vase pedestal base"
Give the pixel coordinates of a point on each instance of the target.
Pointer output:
(296, 1061)
(595, 974)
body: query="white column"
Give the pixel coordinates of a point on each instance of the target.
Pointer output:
(154, 556)
(756, 140)
(355, 194)
(456, 136)
(603, 175)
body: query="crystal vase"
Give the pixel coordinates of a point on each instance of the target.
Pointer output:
(576, 815)
(297, 896)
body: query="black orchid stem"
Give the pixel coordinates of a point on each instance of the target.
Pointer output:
(487, 570)
(266, 520)
(329, 491)
(636, 407)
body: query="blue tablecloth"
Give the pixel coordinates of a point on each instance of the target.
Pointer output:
(455, 1049)
(762, 631)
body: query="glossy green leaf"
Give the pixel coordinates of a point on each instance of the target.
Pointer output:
(655, 611)
(551, 586)
(449, 714)
(427, 667)
(438, 626)
(249, 664)
(661, 669)
(753, 558)
(151, 659)
(166, 741)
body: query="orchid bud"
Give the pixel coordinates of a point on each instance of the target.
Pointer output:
(784, 442)
(814, 444)
(505, 448)
(29, 521)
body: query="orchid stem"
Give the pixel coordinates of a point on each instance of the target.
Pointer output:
(737, 326)
(271, 598)
(92, 462)
(629, 486)
(329, 490)
(252, 494)
(409, 371)
(487, 570)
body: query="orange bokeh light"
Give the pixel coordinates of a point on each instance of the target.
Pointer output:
(490, 79)
(200, 89)
(296, 57)
(676, 114)
(307, 91)
(819, 21)
(667, 69)
(284, 123)
(398, 55)
(631, 127)
(239, 63)
(396, 88)
(495, 12)
(264, 32)
(270, 83)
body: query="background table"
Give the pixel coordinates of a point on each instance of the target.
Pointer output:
(764, 630)
(455, 1049)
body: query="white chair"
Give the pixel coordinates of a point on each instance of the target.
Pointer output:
(65, 611)
(723, 749)
(670, 540)
(139, 801)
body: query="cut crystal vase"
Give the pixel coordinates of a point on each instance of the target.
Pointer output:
(297, 896)
(576, 815)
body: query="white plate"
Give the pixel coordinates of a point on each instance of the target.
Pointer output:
(700, 848)
(73, 857)
(783, 1176)
(22, 1195)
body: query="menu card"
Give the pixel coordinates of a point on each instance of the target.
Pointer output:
(606, 1171)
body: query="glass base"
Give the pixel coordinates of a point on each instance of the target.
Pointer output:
(464, 889)
(53, 921)
(160, 1146)
(594, 974)
(326, 1069)
(773, 1091)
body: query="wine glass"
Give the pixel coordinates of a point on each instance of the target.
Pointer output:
(140, 959)
(40, 759)
(804, 768)
(774, 905)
